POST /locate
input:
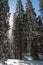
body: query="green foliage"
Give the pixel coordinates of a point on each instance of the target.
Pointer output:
(4, 26)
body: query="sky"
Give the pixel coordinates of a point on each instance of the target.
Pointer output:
(12, 4)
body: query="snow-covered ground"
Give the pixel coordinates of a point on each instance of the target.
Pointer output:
(27, 60)
(27, 57)
(20, 62)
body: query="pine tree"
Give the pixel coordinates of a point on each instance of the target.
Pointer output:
(15, 35)
(4, 27)
(40, 35)
(40, 28)
(19, 28)
(41, 8)
(31, 16)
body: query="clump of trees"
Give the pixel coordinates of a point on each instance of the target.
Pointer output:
(27, 30)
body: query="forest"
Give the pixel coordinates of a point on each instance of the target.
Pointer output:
(27, 31)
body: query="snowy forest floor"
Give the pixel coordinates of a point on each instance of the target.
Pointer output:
(27, 60)
(20, 62)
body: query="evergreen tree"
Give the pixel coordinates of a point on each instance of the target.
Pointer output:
(40, 28)
(15, 35)
(41, 8)
(19, 30)
(31, 16)
(40, 35)
(4, 27)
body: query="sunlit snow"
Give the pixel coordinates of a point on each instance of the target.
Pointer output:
(21, 62)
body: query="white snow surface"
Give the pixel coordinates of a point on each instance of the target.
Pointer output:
(20, 62)
(27, 60)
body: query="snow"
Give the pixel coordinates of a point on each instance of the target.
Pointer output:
(13, 62)
(27, 60)
(20, 62)
(27, 57)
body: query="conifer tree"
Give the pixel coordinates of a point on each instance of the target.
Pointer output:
(18, 32)
(4, 27)
(41, 8)
(31, 16)
(40, 27)
(40, 35)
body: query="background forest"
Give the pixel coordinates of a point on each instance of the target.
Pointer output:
(21, 34)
